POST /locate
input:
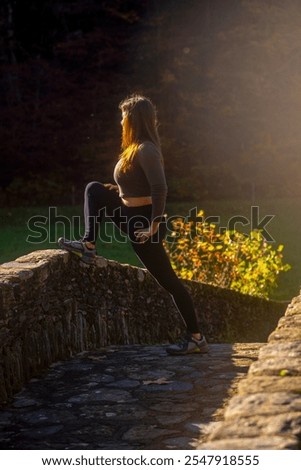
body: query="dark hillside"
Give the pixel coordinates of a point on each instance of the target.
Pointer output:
(225, 75)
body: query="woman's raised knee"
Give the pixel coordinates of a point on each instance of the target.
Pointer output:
(93, 188)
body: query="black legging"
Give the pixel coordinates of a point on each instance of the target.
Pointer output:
(100, 201)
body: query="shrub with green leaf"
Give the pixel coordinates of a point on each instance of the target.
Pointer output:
(245, 263)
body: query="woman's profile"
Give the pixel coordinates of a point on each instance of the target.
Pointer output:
(136, 203)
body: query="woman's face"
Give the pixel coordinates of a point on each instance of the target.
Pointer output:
(123, 118)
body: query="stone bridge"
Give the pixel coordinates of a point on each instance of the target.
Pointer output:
(83, 364)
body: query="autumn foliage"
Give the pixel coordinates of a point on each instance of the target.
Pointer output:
(229, 259)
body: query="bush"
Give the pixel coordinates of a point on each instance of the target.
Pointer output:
(245, 263)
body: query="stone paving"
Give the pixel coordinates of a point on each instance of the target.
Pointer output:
(126, 397)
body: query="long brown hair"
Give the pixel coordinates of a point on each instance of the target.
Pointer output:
(139, 124)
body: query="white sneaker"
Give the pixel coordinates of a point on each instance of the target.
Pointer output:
(78, 248)
(188, 345)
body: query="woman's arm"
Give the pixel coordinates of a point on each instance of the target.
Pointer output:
(151, 162)
(111, 187)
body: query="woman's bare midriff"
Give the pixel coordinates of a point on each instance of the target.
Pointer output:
(137, 201)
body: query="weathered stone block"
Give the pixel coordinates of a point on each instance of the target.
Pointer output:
(290, 321)
(261, 442)
(289, 349)
(277, 366)
(252, 426)
(259, 404)
(269, 384)
(286, 334)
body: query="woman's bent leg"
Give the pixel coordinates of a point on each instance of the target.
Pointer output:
(99, 201)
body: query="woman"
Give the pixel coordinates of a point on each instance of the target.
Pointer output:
(136, 205)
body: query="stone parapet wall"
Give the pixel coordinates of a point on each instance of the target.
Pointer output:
(53, 306)
(266, 412)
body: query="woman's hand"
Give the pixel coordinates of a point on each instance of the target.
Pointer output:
(143, 234)
(111, 187)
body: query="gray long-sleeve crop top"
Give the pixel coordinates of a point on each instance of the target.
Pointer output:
(145, 177)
